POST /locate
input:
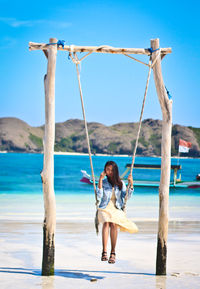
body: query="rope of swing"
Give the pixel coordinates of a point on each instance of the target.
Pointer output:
(140, 123)
(77, 61)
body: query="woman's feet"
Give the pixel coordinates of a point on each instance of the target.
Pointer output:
(112, 258)
(104, 256)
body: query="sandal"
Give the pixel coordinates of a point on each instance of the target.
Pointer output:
(112, 258)
(104, 256)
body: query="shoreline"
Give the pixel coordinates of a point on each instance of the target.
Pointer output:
(98, 154)
(70, 225)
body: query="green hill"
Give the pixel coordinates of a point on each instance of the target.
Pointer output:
(17, 136)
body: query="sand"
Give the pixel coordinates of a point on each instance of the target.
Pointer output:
(78, 250)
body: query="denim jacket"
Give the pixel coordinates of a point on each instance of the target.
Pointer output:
(104, 195)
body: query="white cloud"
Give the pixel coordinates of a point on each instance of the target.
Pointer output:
(13, 22)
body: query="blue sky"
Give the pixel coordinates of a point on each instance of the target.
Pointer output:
(113, 85)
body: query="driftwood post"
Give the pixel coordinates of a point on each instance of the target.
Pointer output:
(166, 106)
(48, 165)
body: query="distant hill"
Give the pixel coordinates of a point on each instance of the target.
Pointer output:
(17, 136)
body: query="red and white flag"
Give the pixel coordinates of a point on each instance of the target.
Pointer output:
(184, 146)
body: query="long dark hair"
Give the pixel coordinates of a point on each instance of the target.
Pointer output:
(116, 178)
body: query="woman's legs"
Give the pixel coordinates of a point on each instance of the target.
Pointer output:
(113, 236)
(105, 234)
(113, 239)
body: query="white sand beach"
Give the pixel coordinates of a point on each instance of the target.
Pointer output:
(86, 154)
(78, 250)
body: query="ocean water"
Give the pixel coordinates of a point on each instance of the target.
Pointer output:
(21, 196)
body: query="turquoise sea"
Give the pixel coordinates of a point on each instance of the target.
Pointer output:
(21, 196)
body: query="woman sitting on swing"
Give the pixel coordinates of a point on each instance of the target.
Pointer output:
(111, 193)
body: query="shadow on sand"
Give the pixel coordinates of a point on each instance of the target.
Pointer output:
(68, 273)
(76, 274)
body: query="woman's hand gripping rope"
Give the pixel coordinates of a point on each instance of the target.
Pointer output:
(130, 181)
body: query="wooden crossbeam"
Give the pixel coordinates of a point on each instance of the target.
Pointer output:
(98, 49)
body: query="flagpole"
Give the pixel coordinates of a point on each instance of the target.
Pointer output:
(178, 152)
(178, 157)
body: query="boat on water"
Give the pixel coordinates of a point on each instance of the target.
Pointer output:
(198, 177)
(175, 181)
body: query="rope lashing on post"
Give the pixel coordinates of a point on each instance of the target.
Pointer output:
(140, 123)
(59, 43)
(151, 50)
(169, 95)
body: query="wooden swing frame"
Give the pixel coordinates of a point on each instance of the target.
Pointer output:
(47, 175)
